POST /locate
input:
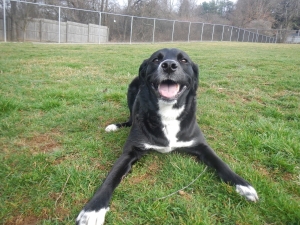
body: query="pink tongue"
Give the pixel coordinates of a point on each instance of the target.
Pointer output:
(168, 90)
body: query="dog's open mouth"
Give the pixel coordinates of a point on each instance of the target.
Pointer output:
(169, 89)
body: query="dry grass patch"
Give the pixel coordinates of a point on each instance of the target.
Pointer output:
(41, 143)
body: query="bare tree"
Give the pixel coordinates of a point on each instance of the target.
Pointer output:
(214, 11)
(184, 9)
(283, 14)
(248, 11)
(20, 15)
(287, 14)
(13, 16)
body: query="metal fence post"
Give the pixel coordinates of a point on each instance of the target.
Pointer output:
(243, 35)
(202, 30)
(59, 24)
(131, 29)
(99, 27)
(212, 35)
(222, 33)
(256, 36)
(248, 35)
(153, 32)
(173, 31)
(238, 36)
(4, 21)
(231, 33)
(189, 32)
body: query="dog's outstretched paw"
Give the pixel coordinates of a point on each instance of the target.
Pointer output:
(248, 192)
(111, 127)
(91, 217)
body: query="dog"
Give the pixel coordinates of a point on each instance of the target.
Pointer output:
(162, 105)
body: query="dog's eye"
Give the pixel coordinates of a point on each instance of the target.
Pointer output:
(183, 60)
(155, 60)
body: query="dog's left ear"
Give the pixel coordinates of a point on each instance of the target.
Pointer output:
(142, 70)
(196, 75)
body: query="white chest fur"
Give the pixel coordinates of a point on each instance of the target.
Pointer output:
(169, 119)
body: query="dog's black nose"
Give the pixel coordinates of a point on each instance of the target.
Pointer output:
(169, 66)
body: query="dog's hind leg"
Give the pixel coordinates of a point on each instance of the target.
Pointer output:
(205, 154)
(94, 211)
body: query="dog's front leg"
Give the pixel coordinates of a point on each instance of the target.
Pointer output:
(94, 211)
(205, 154)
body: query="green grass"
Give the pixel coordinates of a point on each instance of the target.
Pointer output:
(55, 101)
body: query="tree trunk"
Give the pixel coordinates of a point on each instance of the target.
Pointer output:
(13, 21)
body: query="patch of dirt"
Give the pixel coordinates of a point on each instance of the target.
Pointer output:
(22, 219)
(263, 171)
(59, 214)
(67, 157)
(275, 174)
(185, 195)
(288, 176)
(153, 168)
(39, 143)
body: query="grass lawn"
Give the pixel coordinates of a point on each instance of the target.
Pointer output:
(55, 101)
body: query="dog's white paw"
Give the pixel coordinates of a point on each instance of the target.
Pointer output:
(91, 217)
(111, 127)
(248, 192)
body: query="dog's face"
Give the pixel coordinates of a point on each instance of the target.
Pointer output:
(169, 73)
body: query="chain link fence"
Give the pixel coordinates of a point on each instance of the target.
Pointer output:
(39, 22)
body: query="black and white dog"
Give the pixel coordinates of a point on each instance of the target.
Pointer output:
(162, 104)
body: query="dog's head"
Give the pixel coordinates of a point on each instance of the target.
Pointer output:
(169, 73)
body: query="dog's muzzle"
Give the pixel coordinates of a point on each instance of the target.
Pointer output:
(168, 89)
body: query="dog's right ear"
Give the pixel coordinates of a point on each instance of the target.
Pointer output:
(142, 70)
(196, 76)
